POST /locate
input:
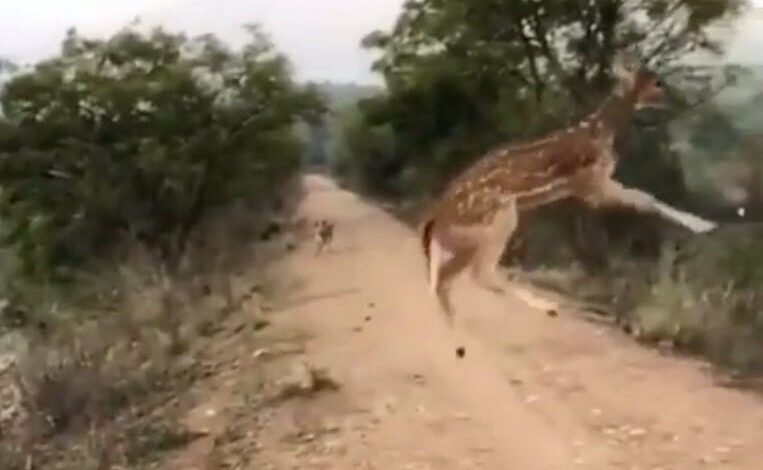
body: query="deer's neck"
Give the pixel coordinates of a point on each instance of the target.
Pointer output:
(613, 118)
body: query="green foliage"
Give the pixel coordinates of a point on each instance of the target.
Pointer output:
(364, 158)
(713, 132)
(141, 135)
(462, 76)
(708, 298)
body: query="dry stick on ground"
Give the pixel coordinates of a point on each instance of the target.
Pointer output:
(478, 213)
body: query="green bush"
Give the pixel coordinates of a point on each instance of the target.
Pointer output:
(709, 298)
(141, 136)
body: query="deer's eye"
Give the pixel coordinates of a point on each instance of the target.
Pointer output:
(658, 83)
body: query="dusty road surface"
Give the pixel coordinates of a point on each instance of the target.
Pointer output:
(533, 392)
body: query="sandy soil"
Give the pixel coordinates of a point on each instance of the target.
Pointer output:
(532, 392)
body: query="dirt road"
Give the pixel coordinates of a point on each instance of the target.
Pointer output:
(533, 392)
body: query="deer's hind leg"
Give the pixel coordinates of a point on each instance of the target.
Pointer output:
(448, 258)
(488, 255)
(448, 272)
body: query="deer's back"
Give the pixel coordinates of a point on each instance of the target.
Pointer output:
(519, 171)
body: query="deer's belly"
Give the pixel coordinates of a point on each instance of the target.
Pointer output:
(454, 237)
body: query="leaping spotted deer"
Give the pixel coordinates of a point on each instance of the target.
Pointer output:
(478, 212)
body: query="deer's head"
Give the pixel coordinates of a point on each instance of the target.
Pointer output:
(637, 83)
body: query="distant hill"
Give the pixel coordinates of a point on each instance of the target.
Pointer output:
(740, 103)
(322, 142)
(750, 80)
(341, 95)
(710, 138)
(743, 102)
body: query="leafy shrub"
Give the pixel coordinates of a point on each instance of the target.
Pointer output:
(709, 298)
(141, 135)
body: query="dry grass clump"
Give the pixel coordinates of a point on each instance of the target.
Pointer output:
(103, 361)
(704, 296)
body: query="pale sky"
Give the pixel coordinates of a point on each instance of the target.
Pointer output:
(321, 37)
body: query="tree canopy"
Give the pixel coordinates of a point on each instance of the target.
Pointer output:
(462, 75)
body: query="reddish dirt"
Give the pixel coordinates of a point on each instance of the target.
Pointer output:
(532, 391)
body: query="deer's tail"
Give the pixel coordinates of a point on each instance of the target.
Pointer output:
(425, 237)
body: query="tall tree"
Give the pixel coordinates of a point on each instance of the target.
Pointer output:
(462, 76)
(541, 44)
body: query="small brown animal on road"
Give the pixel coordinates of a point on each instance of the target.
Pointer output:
(324, 234)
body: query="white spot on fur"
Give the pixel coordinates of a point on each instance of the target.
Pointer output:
(537, 191)
(470, 201)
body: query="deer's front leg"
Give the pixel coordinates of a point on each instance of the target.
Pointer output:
(612, 193)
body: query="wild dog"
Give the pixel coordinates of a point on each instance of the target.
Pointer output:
(324, 235)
